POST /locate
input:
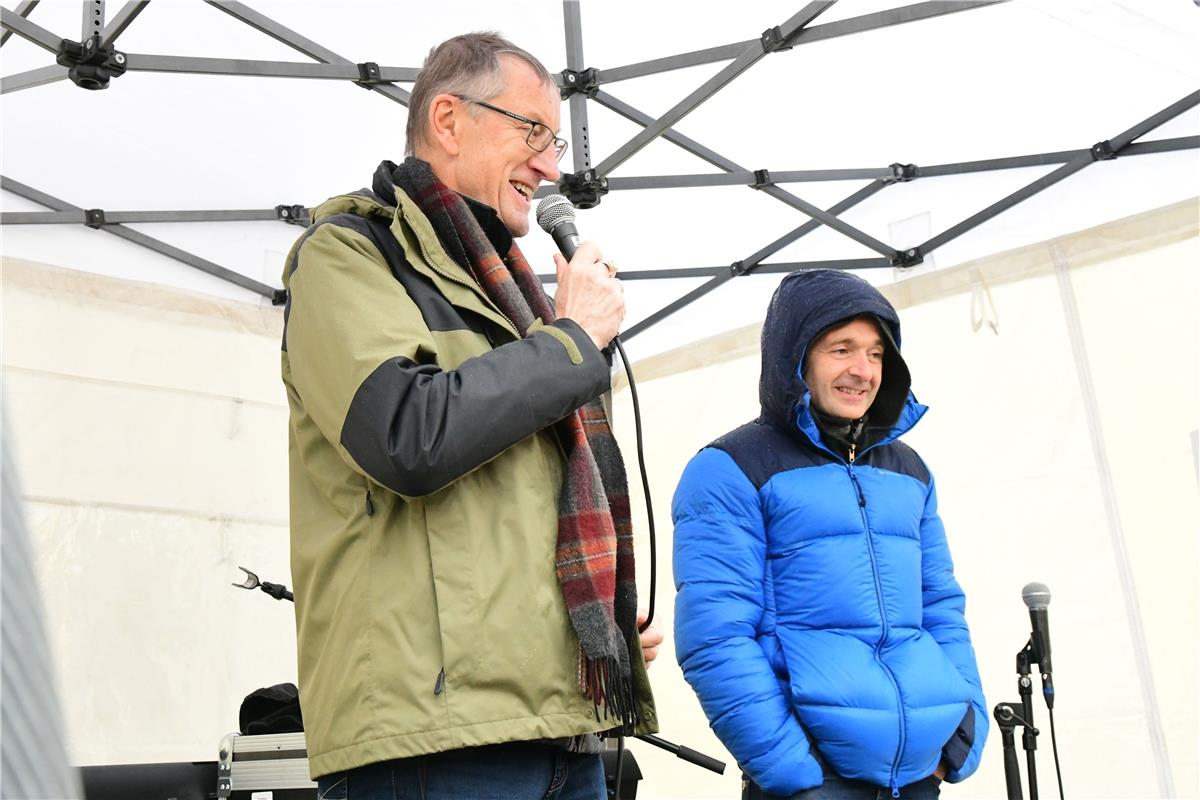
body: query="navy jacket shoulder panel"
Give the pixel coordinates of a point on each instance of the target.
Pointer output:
(896, 457)
(761, 451)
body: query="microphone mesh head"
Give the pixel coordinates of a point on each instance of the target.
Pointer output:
(1036, 596)
(554, 209)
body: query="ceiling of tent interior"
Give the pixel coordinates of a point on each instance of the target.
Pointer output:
(989, 81)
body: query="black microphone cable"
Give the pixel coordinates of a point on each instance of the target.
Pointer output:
(637, 427)
(1054, 747)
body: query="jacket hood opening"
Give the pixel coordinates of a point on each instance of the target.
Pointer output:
(804, 307)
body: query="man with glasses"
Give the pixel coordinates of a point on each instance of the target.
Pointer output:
(461, 546)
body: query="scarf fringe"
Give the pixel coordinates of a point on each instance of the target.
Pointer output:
(612, 693)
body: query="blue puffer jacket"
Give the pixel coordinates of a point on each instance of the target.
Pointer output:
(817, 605)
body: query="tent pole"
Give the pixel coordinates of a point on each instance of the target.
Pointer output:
(1098, 152)
(1116, 533)
(276, 296)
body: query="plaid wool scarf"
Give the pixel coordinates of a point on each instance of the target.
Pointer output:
(594, 554)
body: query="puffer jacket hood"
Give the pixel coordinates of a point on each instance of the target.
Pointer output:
(804, 306)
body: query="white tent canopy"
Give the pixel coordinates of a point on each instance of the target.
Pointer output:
(1052, 342)
(1012, 79)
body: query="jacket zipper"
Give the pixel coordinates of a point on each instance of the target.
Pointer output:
(862, 504)
(473, 287)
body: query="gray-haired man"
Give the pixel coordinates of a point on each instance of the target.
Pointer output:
(461, 548)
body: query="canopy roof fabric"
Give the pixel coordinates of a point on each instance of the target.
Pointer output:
(821, 108)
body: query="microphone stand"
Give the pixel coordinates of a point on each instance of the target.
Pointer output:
(686, 753)
(1007, 718)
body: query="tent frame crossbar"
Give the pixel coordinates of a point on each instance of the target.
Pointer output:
(284, 213)
(810, 34)
(277, 296)
(587, 184)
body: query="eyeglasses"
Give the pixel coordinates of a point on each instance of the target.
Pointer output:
(540, 137)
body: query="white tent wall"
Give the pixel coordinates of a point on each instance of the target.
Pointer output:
(1063, 447)
(151, 433)
(150, 427)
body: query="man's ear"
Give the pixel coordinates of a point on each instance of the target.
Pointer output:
(445, 123)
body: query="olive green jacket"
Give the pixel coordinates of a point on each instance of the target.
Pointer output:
(424, 497)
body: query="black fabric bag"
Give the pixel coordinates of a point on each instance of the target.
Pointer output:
(273, 709)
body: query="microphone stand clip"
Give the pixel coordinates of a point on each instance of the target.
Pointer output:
(1008, 718)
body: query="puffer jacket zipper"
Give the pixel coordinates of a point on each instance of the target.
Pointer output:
(883, 636)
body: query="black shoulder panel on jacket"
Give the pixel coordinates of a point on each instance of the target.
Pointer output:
(437, 312)
(414, 428)
(761, 451)
(896, 457)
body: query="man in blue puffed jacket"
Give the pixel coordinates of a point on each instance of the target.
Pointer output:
(817, 616)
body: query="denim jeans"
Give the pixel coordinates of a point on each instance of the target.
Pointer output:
(513, 771)
(836, 787)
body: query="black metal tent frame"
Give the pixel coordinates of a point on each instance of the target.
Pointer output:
(93, 61)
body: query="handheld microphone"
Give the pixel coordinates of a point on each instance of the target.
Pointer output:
(556, 216)
(1037, 600)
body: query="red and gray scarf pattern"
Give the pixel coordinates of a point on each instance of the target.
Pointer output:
(594, 554)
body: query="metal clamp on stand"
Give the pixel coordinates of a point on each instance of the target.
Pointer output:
(276, 590)
(1007, 718)
(90, 66)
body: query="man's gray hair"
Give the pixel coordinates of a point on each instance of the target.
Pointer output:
(468, 65)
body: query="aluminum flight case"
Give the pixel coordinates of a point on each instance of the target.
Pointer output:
(267, 767)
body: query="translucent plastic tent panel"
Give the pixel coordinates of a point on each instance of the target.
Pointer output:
(1062, 434)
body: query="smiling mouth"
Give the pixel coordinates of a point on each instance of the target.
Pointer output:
(522, 189)
(854, 394)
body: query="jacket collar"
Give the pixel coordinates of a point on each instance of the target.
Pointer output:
(910, 415)
(384, 186)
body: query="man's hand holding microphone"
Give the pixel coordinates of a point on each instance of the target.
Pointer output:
(588, 291)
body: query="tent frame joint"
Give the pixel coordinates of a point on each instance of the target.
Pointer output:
(908, 258)
(903, 173)
(1103, 151)
(292, 215)
(368, 74)
(90, 64)
(584, 189)
(579, 81)
(94, 218)
(762, 179)
(773, 40)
